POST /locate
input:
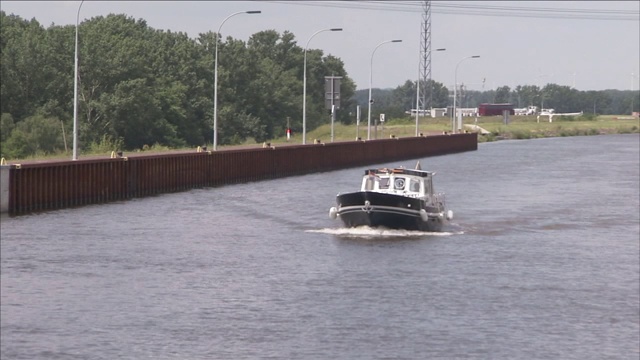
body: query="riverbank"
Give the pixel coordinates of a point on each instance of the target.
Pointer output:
(529, 129)
(519, 127)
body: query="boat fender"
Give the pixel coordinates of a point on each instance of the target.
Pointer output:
(333, 212)
(449, 215)
(423, 215)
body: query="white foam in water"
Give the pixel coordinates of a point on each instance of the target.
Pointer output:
(368, 232)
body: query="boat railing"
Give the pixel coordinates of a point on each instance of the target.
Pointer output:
(439, 198)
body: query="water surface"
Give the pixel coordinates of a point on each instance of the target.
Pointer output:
(541, 261)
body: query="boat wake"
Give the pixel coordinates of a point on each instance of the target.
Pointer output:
(369, 232)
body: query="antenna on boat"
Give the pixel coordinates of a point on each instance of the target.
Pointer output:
(418, 167)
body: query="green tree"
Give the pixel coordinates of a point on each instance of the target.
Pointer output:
(35, 135)
(113, 49)
(404, 96)
(6, 126)
(527, 95)
(134, 113)
(503, 95)
(440, 97)
(183, 77)
(561, 98)
(23, 61)
(274, 91)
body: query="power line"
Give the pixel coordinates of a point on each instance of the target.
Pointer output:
(469, 8)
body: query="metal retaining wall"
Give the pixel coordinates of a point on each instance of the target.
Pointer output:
(61, 184)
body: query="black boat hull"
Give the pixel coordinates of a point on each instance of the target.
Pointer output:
(374, 209)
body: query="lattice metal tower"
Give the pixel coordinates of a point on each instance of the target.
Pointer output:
(424, 88)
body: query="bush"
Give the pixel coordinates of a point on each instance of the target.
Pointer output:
(106, 145)
(588, 117)
(6, 126)
(34, 135)
(520, 135)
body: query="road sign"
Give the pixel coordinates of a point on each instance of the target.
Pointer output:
(332, 91)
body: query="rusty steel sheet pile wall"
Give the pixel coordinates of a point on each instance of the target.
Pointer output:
(56, 185)
(36, 187)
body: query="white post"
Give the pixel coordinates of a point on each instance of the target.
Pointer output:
(304, 85)
(418, 99)
(371, 81)
(333, 119)
(455, 88)
(215, 81)
(75, 91)
(357, 121)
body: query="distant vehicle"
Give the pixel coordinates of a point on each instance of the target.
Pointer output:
(551, 113)
(495, 109)
(529, 110)
(423, 112)
(433, 112)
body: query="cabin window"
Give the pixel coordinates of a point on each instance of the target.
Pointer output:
(428, 186)
(399, 184)
(368, 183)
(383, 183)
(414, 185)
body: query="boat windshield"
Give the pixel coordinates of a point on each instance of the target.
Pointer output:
(414, 185)
(383, 183)
(372, 183)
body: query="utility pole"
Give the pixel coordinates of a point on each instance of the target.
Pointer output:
(424, 68)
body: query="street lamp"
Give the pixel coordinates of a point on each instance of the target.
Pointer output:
(75, 91)
(215, 81)
(418, 92)
(370, 81)
(455, 87)
(304, 86)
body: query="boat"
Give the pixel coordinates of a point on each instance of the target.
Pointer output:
(396, 198)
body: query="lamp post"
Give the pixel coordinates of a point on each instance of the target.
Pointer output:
(455, 87)
(75, 91)
(632, 94)
(418, 92)
(370, 84)
(304, 86)
(215, 81)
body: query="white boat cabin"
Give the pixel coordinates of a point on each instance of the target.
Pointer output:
(404, 182)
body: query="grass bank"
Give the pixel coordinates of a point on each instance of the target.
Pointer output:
(519, 127)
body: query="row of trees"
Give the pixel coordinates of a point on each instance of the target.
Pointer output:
(140, 86)
(394, 102)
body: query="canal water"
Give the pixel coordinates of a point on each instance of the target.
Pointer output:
(541, 261)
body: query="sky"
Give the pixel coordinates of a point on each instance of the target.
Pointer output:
(592, 45)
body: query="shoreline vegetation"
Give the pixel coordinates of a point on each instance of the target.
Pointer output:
(519, 127)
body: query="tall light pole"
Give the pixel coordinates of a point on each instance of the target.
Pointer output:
(304, 86)
(455, 87)
(418, 92)
(632, 94)
(370, 84)
(215, 81)
(75, 91)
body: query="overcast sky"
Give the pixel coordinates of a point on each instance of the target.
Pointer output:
(594, 45)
